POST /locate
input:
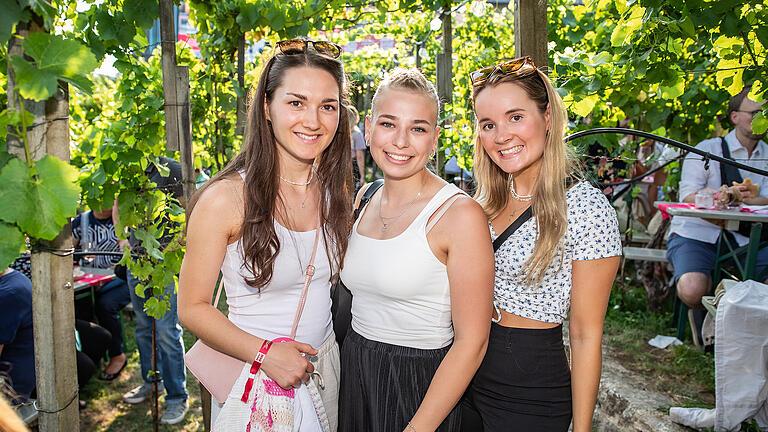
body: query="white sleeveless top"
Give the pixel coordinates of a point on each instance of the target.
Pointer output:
(400, 290)
(269, 314)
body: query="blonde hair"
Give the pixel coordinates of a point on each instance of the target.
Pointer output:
(557, 163)
(407, 79)
(9, 420)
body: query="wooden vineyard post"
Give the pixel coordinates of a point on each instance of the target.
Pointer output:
(52, 295)
(241, 98)
(445, 78)
(531, 31)
(168, 45)
(185, 133)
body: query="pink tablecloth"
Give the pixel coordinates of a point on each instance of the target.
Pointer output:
(663, 208)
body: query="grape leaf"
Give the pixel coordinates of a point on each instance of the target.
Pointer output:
(57, 194)
(56, 59)
(40, 207)
(12, 245)
(16, 192)
(12, 14)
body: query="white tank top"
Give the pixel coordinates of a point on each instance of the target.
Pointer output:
(400, 290)
(269, 314)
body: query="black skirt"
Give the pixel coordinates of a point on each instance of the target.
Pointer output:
(382, 385)
(523, 384)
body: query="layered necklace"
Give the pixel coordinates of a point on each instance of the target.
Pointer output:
(387, 221)
(515, 195)
(306, 183)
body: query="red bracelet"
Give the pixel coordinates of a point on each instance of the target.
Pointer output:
(255, 366)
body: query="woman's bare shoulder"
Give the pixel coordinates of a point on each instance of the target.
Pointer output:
(222, 200)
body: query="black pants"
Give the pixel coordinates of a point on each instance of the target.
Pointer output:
(523, 384)
(382, 385)
(94, 341)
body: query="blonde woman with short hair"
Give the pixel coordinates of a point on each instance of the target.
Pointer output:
(419, 265)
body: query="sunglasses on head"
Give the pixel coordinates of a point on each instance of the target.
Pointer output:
(522, 66)
(299, 46)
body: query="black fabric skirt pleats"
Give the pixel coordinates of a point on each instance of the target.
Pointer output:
(382, 385)
(523, 384)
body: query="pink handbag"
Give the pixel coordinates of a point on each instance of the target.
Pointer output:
(218, 372)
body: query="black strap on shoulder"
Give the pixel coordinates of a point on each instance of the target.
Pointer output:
(376, 185)
(728, 173)
(512, 228)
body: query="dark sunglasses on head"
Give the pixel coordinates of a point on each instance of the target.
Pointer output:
(522, 66)
(299, 46)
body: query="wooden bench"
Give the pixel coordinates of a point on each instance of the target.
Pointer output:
(640, 238)
(645, 254)
(679, 309)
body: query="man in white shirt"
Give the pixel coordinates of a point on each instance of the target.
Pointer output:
(692, 243)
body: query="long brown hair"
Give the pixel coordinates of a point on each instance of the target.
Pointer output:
(549, 192)
(259, 158)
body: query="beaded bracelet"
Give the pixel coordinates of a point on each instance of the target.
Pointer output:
(410, 427)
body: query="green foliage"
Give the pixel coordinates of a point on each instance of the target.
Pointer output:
(56, 59)
(44, 196)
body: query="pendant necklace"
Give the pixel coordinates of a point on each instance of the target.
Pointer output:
(307, 183)
(392, 219)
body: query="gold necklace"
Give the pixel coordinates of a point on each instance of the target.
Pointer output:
(385, 224)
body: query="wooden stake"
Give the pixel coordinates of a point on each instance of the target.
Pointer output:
(241, 111)
(445, 78)
(185, 133)
(52, 295)
(168, 44)
(531, 31)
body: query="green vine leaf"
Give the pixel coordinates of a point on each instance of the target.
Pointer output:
(12, 244)
(57, 194)
(42, 205)
(759, 123)
(16, 189)
(56, 59)
(12, 14)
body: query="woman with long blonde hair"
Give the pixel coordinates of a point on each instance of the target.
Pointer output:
(560, 251)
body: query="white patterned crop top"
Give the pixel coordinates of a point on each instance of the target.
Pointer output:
(592, 233)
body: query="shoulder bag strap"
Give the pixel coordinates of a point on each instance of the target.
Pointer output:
(512, 228)
(219, 284)
(85, 222)
(307, 279)
(367, 196)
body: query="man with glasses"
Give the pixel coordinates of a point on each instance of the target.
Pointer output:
(691, 247)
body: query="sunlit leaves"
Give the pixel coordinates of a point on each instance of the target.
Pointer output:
(55, 58)
(43, 197)
(759, 123)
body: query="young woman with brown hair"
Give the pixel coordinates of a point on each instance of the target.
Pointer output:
(256, 222)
